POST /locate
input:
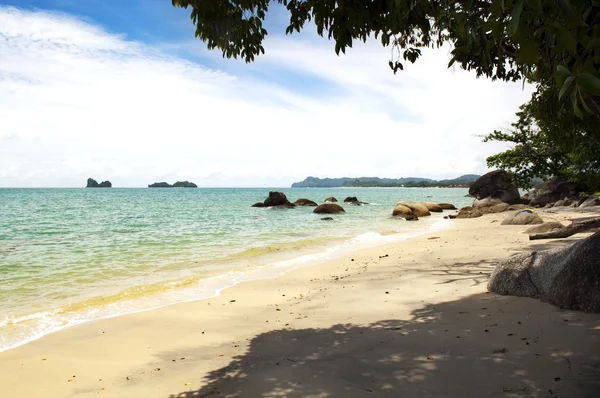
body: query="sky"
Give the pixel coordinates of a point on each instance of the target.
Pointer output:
(123, 91)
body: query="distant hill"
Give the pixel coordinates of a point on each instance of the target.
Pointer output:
(315, 182)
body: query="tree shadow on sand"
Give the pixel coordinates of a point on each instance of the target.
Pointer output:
(480, 346)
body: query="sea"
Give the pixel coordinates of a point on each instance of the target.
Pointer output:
(69, 256)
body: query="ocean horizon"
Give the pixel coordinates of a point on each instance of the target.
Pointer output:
(74, 255)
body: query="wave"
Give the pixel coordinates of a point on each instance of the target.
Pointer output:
(203, 284)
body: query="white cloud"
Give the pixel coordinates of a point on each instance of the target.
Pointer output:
(76, 101)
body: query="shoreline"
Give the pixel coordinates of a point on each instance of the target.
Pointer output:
(396, 296)
(207, 287)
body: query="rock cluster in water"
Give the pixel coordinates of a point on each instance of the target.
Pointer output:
(91, 183)
(178, 184)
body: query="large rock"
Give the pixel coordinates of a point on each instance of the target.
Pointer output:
(591, 201)
(523, 217)
(447, 206)
(331, 199)
(305, 202)
(499, 208)
(568, 277)
(91, 183)
(405, 212)
(419, 209)
(275, 199)
(433, 207)
(552, 191)
(493, 188)
(329, 208)
(469, 212)
(351, 199)
(545, 227)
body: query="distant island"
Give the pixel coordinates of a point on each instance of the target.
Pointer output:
(91, 183)
(314, 182)
(178, 184)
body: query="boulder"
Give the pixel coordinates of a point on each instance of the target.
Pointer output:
(487, 202)
(305, 202)
(523, 217)
(567, 277)
(351, 199)
(433, 207)
(275, 199)
(331, 199)
(329, 208)
(499, 208)
(566, 202)
(405, 212)
(419, 209)
(591, 201)
(447, 206)
(545, 227)
(552, 191)
(496, 185)
(516, 207)
(469, 212)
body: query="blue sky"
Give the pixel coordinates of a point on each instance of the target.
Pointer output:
(122, 90)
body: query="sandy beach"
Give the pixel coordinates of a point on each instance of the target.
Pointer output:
(404, 320)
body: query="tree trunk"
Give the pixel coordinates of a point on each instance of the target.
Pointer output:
(576, 227)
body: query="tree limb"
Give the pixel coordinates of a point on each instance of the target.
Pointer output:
(572, 229)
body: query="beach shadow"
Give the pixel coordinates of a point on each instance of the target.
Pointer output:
(480, 346)
(478, 272)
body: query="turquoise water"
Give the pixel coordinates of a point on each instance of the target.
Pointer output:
(69, 256)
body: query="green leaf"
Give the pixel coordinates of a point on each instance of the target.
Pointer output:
(576, 109)
(589, 83)
(585, 105)
(513, 25)
(562, 71)
(593, 44)
(566, 39)
(565, 86)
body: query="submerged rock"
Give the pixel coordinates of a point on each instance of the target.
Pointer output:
(405, 212)
(568, 277)
(329, 208)
(433, 207)
(276, 199)
(447, 206)
(304, 202)
(419, 209)
(327, 218)
(331, 199)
